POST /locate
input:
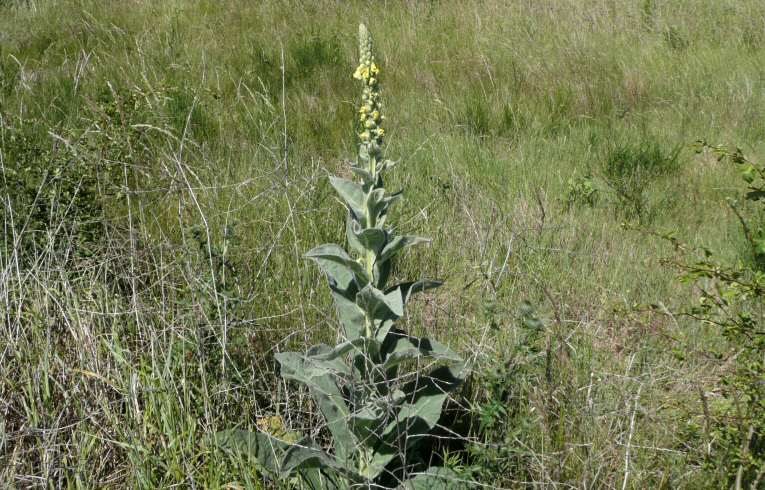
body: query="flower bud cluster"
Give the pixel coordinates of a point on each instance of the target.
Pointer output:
(370, 112)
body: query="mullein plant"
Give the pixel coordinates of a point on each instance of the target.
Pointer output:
(380, 390)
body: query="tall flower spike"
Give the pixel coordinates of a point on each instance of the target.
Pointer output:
(370, 118)
(380, 390)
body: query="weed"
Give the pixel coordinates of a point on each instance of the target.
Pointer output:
(630, 170)
(476, 116)
(380, 390)
(503, 414)
(731, 299)
(581, 191)
(111, 339)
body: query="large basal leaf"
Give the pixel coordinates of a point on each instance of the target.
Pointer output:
(320, 377)
(307, 455)
(417, 415)
(437, 478)
(267, 450)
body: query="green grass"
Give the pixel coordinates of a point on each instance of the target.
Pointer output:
(164, 169)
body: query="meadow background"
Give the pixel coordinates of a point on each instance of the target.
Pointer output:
(163, 169)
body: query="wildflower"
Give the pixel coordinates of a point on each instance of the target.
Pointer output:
(371, 105)
(361, 73)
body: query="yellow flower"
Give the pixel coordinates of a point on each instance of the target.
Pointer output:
(364, 136)
(369, 123)
(374, 69)
(362, 72)
(380, 132)
(376, 115)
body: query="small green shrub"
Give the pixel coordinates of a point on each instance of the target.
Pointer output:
(630, 170)
(503, 411)
(581, 191)
(732, 299)
(51, 190)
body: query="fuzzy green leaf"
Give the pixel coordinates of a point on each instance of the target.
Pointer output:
(375, 203)
(339, 266)
(365, 422)
(365, 175)
(352, 193)
(399, 243)
(351, 316)
(409, 288)
(306, 455)
(400, 347)
(378, 305)
(266, 449)
(383, 328)
(319, 376)
(437, 478)
(373, 239)
(417, 415)
(361, 344)
(352, 228)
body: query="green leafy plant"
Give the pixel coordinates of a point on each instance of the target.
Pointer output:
(581, 191)
(753, 224)
(380, 391)
(503, 411)
(732, 298)
(629, 171)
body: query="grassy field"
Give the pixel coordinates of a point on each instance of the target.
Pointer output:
(164, 170)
